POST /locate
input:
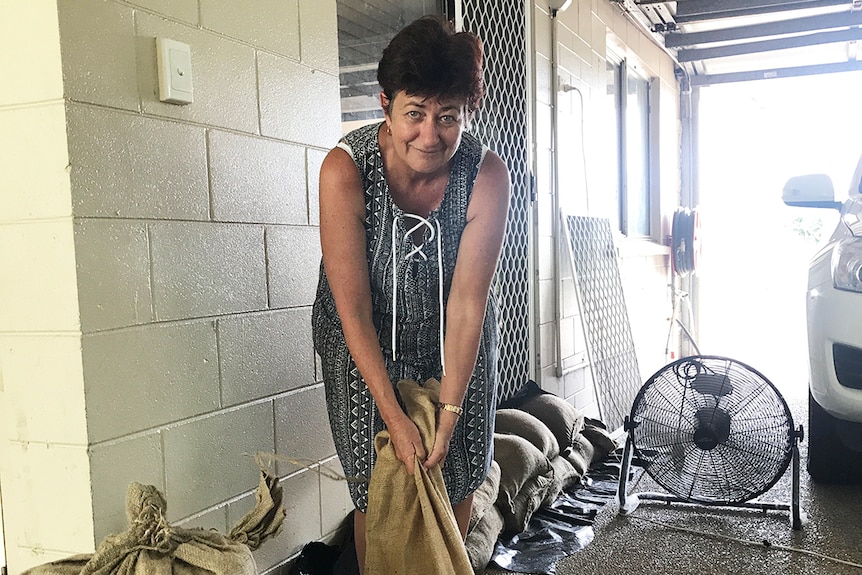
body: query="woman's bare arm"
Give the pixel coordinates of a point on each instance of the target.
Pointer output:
(478, 252)
(342, 237)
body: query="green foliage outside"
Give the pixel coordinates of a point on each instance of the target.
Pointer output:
(809, 228)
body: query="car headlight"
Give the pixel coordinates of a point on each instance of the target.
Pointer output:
(847, 264)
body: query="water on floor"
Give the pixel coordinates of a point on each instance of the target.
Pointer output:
(684, 539)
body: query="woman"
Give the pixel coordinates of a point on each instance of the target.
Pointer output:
(412, 218)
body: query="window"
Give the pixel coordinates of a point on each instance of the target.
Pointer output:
(628, 102)
(365, 27)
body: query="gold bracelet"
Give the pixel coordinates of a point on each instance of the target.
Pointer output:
(450, 407)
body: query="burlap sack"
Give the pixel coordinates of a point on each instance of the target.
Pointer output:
(564, 476)
(151, 546)
(531, 496)
(519, 461)
(485, 496)
(482, 540)
(596, 432)
(580, 454)
(531, 428)
(562, 418)
(525, 474)
(410, 526)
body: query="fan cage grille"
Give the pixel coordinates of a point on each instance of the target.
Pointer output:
(712, 430)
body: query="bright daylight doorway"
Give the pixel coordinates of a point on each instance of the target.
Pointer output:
(752, 274)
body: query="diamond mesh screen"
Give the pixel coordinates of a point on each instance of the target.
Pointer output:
(502, 125)
(606, 322)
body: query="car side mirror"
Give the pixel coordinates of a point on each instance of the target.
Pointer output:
(810, 191)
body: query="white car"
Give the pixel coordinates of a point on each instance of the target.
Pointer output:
(834, 310)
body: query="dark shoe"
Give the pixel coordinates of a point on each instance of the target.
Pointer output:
(316, 558)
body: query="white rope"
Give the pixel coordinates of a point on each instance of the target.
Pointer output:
(765, 543)
(440, 292)
(394, 284)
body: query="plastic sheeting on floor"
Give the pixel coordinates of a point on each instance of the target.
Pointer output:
(564, 527)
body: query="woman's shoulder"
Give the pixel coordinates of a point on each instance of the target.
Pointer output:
(350, 162)
(471, 143)
(363, 137)
(472, 151)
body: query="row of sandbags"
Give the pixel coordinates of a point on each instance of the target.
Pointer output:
(542, 445)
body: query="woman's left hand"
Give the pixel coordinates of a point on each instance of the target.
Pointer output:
(446, 421)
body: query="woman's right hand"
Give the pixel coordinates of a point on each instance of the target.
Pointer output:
(405, 438)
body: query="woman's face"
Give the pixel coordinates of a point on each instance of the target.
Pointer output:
(425, 132)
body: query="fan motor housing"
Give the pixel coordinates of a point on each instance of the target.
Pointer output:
(712, 429)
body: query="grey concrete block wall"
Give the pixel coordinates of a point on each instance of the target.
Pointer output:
(318, 46)
(213, 519)
(118, 173)
(271, 25)
(257, 180)
(206, 269)
(223, 74)
(302, 504)
(293, 256)
(149, 376)
(302, 430)
(287, 85)
(197, 253)
(313, 162)
(335, 499)
(264, 354)
(113, 265)
(96, 66)
(210, 460)
(183, 10)
(113, 466)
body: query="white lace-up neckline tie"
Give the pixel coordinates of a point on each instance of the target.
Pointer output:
(434, 229)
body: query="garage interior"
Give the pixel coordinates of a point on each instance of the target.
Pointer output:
(94, 139)
(787, 51)
(727, 45)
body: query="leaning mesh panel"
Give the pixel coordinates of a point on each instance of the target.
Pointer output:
(606, 322)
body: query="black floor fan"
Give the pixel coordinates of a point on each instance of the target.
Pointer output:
(711, 431)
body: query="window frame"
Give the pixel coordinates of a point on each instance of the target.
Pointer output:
(358, 53)
(625, 69)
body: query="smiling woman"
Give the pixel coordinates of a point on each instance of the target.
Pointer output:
(412, 215)
(421, 136)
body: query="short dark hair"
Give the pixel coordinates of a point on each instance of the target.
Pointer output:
(427, 58)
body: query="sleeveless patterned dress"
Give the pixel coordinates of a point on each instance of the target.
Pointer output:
(412, 350)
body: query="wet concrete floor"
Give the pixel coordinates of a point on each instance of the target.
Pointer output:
(682, 539)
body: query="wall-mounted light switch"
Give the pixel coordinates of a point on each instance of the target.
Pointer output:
(175, 71)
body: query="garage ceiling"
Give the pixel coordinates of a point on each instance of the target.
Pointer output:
(719, 41)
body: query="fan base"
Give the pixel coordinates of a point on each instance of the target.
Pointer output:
(628, 503)
(798, 518)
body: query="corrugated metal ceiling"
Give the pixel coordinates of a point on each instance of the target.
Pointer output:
(365, 27)
(719, 41)
(715, 41)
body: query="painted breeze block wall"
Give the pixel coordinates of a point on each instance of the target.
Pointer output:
(157, 267)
